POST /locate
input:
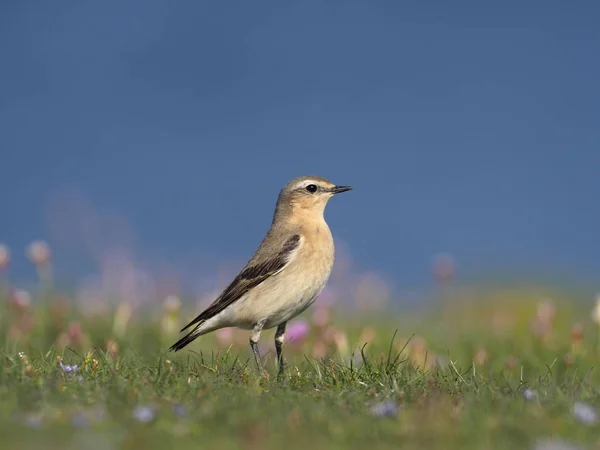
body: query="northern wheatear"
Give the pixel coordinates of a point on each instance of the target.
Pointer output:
(284, 276)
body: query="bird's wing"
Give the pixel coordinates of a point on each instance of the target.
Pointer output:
(252, 275)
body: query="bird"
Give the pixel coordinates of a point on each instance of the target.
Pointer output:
(285, 274)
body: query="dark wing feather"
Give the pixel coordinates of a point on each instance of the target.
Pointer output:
(248, 278)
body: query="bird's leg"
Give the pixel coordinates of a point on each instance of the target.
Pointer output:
(279, 338)
(254, 337)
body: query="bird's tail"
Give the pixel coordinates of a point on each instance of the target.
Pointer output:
(191, 336)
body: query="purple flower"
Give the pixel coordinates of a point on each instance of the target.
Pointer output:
(585, 413)
(297, 330)
(385, 409)
(143, 414)
(67, 368)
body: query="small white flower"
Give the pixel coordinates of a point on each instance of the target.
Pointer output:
(529, 395)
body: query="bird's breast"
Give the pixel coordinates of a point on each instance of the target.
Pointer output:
(295, 288)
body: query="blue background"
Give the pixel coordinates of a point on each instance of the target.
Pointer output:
(167, 128)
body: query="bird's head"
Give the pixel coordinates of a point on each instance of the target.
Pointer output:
(307, 196)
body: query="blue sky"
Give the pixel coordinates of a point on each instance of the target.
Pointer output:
(465, 127)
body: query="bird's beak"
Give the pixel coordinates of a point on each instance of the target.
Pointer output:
(340, 189)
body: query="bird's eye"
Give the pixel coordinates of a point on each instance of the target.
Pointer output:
(312, 188)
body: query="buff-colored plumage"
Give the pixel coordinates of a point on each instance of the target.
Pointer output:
(286, 273)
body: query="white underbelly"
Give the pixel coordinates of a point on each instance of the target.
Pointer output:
(279, 298)
(292, 308)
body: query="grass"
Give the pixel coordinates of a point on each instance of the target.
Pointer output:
(474, 376)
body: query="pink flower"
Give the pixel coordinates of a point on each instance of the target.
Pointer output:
(38, 252)
(297, 330)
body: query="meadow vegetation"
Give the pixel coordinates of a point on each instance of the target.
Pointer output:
(481, 367)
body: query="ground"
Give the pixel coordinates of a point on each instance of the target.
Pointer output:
(501, 374)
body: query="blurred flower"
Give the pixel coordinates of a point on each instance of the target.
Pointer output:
(419, 354)
(320, 317)
(28, 371)
(529, 395)
(23, 357)
(341, 342)
(443, 267)
(91, 363)
(596, 311)
(122, 317)
(67, 369)
(546, 311)
(481, 356)
(577, 338)
(172, 304)
(143, 414)
(170, 321)
(297, 331)
(569, 359)
(387, 408)
(112, 347)
(75, 333)
(368, 334)
(38, 252)
(577, 333)
(4, 257)
(544, 320)
(585, 413)
(20, 300)
(169, 365)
